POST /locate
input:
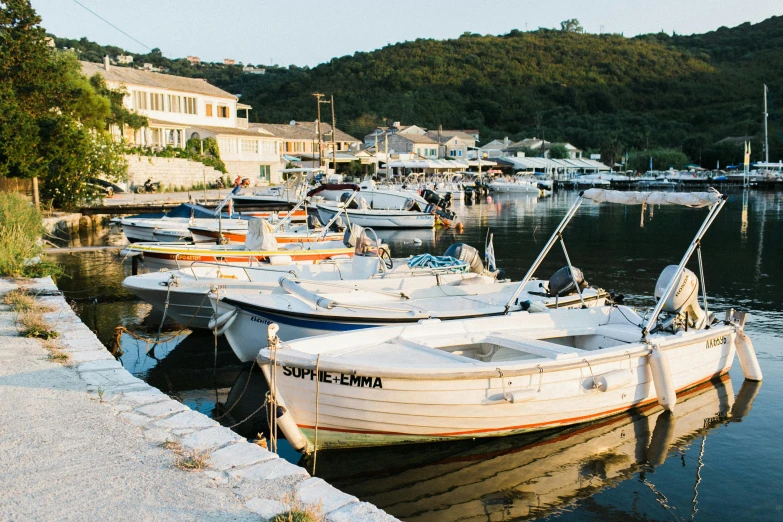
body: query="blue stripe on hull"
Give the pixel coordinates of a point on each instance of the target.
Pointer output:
(307, 323)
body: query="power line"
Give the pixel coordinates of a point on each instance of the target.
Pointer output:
(111, 24)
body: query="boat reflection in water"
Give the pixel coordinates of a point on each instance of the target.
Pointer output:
(531, 475)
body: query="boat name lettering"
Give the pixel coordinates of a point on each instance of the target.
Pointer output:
(187, 258)
(261, 320)
(718, 341)
(358, 381)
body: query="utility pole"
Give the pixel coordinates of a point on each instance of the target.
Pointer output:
(334, 140)
(386, 152)
(766, 130)
(440, 132)
(318, 97)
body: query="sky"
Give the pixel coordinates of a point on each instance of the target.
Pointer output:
(309, 32)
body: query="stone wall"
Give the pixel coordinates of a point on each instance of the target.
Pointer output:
(176, 172)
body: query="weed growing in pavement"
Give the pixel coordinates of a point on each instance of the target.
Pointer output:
(299, 512)
(192, 461)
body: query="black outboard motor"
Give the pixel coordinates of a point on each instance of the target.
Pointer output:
(430, 196)
(561, 283)
(468, 254)
(344, 197)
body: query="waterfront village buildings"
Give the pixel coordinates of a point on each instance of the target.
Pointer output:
(179, 108)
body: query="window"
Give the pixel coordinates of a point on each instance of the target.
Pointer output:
(139, 100)
(224, 144)
(190, 105)
(459, 153)
(250, 146)
(174, 102)
(156, 101)
(223, 111)
(268, 148)
(209, 109)
(265, 172)
(452, 153)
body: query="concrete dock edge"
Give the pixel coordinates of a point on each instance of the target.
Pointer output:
(263, 482)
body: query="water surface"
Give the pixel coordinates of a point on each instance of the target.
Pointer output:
(717, 459)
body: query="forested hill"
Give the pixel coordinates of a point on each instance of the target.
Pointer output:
(649, 91)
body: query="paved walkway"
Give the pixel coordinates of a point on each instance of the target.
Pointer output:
(131, 198)
(84, 442)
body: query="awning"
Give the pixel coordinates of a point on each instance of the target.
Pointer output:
(686, 199)
(290, 158)
(428, 164)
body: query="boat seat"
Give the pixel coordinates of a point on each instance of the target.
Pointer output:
(534, 346)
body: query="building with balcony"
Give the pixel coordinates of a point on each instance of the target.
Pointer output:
(179, 108)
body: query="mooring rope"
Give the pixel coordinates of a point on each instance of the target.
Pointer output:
(317, 397)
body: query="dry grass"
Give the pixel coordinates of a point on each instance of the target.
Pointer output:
(192, 460)
(34, 325)
(171, 445)
(56, 352)
(298, 512)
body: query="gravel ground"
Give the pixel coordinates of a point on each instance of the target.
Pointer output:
(63, 456)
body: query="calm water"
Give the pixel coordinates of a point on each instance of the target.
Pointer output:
(717, 459)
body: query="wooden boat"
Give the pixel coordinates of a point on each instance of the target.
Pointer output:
(515, 373)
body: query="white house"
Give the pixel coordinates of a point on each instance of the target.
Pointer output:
(179, 108)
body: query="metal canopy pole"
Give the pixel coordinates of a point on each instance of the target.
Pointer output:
(339, 210)
(688, 253)
(571, 271)
(555, 236)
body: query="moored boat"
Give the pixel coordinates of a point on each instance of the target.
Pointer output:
(440, 380)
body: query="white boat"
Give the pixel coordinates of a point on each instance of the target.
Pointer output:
(304, 312)
(378, 197)
(378, 219)
(181, 294)
(515, 185)
(441, 380)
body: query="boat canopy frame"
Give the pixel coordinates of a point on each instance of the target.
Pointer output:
(712, 199)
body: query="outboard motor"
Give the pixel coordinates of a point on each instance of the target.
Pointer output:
(313, 221)
(683, 303)
(468, 254)
(430, 196)
(345, 196)
(561, 283)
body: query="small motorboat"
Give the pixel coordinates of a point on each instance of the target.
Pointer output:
(514, 373)
(260, 246)
(516, 185)
(380, 219)
(182, 294)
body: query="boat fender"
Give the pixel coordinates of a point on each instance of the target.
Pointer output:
(613, 380)
(520, 396)
(223, 322)
(662, 379)
(291, 431)
(279, 260)
(747, 356)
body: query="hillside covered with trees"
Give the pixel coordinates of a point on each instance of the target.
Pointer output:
(595, 91)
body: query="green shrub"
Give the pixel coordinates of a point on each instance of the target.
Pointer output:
(21, 229)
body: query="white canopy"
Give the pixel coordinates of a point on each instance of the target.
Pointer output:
(687, 199)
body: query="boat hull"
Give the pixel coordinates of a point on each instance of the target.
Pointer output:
(380, 219)
(396, 407)
(252, 321)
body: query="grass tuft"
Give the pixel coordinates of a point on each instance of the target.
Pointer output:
(193, 461)
(56, 352)
(299, 512)
(21, 229)
(34, 325)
